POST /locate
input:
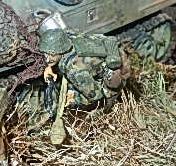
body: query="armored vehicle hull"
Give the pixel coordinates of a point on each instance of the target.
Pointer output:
(94, 16)
(149, 33)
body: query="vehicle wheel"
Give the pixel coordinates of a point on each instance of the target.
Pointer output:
(162, 37)
(145, 45)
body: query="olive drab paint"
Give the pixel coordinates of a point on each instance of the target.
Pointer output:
(93, 16)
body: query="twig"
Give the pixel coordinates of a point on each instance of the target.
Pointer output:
(171, 143)
(123, 160)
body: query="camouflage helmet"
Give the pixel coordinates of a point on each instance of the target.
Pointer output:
(54, 41)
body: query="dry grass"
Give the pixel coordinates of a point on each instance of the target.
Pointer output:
(137, 132)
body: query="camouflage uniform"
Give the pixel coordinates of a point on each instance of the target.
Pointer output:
(90, 63)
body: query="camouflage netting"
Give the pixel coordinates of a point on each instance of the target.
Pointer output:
(18, 46)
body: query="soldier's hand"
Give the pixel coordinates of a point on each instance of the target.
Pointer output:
(49, 72)
(115, 78)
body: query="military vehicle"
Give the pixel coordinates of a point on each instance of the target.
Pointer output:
(138, 21)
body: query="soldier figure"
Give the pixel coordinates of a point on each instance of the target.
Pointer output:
(93, 65)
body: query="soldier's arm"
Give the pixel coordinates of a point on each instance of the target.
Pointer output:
(80, 77)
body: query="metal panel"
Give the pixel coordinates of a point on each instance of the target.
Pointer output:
(94, 16)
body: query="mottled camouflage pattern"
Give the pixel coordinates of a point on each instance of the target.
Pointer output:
(49, 42)
(91, 46)
(80, 74)
(98, 46)
(11, 35)
(94, 61)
